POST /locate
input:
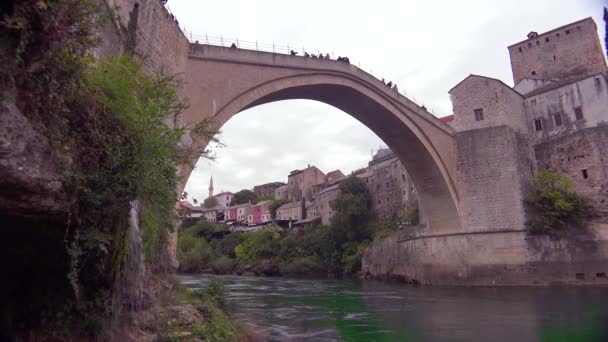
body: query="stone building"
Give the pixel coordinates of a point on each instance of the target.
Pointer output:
(391, 189)
(567, 51)
(291, 211)
(300, 183)
(267, 189)
(213, 215)
(281, 193)
(558, 110)
(323, 201)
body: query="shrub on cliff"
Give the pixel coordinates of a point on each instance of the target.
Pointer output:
(555, 204)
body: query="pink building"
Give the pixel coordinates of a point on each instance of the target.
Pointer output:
(260, 213)
(233, 213)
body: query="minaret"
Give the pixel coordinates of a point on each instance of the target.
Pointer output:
(211, 187)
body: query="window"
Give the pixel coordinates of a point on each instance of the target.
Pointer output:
(530, 45)
(557, 35)
(547, 39)
(538, 42)
(567, 31)
(533, 72)
(538, 125)
(585, 174)
(520, 49)
(554, 58)
(533, 102)
(578, 112)
(557, 118)
(598, 82)
(478, 114)
(403, 176)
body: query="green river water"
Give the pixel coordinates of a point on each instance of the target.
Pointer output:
(287, 309)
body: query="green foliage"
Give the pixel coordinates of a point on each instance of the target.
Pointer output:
(349, 225)
(555, 204)
(194, 253)
(306, 265)
(276, 204)
(209, 202)
(43, 45)
(265, 198)
(382, 229)
(211, 303)
(244, 196)
(258, 246)
(227, 245)
(223, 265)
(412, 215)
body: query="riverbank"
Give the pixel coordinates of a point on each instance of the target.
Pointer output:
(184, 314)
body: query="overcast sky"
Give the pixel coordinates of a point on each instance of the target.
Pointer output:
(426, 47)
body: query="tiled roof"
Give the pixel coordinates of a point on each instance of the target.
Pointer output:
(447, 118)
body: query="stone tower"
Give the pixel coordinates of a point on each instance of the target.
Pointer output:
(564, 52)
(211, 187)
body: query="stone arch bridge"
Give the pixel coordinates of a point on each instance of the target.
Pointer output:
(221, 82)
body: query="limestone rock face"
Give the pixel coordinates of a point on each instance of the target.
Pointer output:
(31, 170)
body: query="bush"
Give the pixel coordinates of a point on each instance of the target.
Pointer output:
(383, 229)
(260, 245)
(352, 255)
(193, 253)
(227, 245)
(412, 216)
(307, 265)
(223, 265)
(555, 204)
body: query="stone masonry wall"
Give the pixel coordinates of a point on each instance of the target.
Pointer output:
(501, 105)
(567, 51)
(491, 259)
(494, 166)
(570, 155)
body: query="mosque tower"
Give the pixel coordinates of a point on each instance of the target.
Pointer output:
(211, 187)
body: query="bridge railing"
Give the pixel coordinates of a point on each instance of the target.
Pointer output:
(282, 48)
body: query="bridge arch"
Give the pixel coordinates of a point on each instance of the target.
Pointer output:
(423, 143)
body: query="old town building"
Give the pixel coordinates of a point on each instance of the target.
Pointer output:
(267, 189)
(558, 108)
(300, 183)
(291, 211)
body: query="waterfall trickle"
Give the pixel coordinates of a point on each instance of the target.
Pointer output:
(129, 286)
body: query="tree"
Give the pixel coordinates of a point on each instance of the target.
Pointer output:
(341, 244)
(555, 204)
(276, 204)
(266, 198)
(244, 196)
(210, 202)
(185, 196)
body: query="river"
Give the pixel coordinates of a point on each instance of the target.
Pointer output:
(287, 309)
